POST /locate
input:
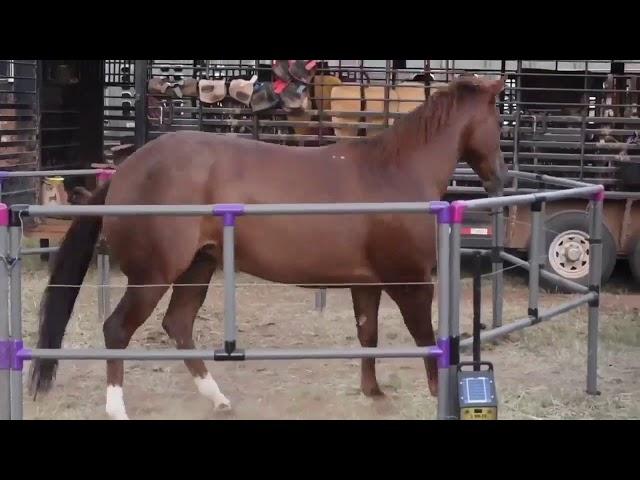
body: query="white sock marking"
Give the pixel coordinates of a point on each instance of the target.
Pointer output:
(208, 387)
(115, 403)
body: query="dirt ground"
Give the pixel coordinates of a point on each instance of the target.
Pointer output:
(541, 372)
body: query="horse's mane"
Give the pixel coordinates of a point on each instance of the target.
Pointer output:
(423, 123)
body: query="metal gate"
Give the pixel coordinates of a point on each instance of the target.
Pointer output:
(576, 120)
(119, 106)
(19, 138)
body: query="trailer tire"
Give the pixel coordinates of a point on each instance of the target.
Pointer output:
(567, 250)
(634, 260)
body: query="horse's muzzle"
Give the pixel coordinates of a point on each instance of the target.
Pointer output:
(495, 186)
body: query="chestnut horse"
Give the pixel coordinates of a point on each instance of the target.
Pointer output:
(411, 161)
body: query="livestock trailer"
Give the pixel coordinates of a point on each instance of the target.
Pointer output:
(574, 119)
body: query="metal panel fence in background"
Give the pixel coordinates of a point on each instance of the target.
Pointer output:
(102, 251)
(577, 120)
(19, 128)
(449, 217)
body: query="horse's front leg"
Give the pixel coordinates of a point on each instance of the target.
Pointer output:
(366, 302)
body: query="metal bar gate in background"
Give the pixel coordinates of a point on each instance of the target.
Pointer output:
(102, 175)
(447, 350)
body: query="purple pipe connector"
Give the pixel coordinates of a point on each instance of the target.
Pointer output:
(435, 352)
(440, 209)
(4, 215)
(3, 174)
(457, 211)
(599, 196)
(5, 354)
(17, 361)
(21, 354)
(443, 359)
(12, 355)
(453, 213)
(229, 212)
(105, 174)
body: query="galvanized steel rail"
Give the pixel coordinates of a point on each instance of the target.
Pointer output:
(447, 349)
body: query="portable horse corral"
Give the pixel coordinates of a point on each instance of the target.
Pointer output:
(410, 162)
(13, 352)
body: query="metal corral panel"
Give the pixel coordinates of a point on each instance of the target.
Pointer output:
(569, 118)
(19, 146)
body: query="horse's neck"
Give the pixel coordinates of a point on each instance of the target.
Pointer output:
(433, 162)
(404, 163)
(436, 172)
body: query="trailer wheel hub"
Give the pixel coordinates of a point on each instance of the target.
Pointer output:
(573, 252)
(569, 254)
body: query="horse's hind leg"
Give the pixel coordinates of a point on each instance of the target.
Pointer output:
(415, 305)
(178, 321)
(134, 308)
(366, 301)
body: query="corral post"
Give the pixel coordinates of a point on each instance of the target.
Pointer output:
(595, 275)
(229, 286)
(477, 309)
(456, 217)
(229, 214)
(15, 296)
(497, 265)
(445, 410)
(534, 260)
(5, 343)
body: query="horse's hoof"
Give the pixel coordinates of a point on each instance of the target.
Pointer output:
(222, 404)
(433, 388)
(118, 416)
(373, 392)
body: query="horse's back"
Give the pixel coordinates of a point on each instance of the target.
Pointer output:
(201, 168)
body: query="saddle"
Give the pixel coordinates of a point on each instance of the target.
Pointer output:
(320, 92)
(281, 70)
(242, 90)
(212, 91)
(295, 97)
(295, 70)
(187, 87)
(290, 89)
(157, 86)
(264, 97)
(161, 86)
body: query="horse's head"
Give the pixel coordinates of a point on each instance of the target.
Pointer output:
(481, 140)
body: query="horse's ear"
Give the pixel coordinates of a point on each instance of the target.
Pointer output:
(497, 86)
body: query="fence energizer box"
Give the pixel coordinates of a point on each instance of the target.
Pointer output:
(477, 395)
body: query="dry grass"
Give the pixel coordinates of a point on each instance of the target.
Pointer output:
(540, 372)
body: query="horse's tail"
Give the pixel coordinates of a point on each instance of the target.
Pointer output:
(70, 267)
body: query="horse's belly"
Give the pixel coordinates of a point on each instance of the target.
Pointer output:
(288, 259)
(304, 269)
